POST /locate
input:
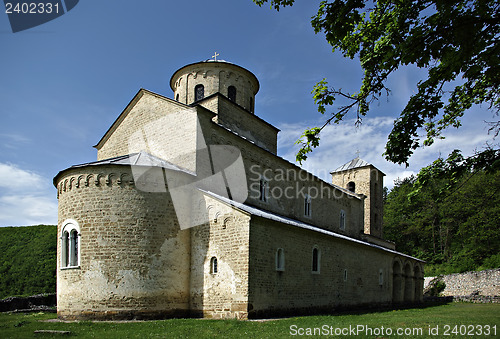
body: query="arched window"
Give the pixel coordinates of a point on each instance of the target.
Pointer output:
(70, 244)
(231, 93)
(177, 97)
(199, 92)
(342, 220)
(280, 260)
(351, 186)
(316, 257)
(213, 265)
(345, 274)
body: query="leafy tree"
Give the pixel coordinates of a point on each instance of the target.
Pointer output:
(456, 41)
(27, 260)
(451, 222)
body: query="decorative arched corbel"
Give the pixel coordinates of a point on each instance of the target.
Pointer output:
(78, 180)
(87, 181)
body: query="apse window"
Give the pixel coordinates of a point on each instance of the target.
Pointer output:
(70, 245)
(381, 277)
(280, 260)
(213, 265)
(231, 93)
(199, 92)
(316, 257)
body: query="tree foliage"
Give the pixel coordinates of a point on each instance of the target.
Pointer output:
(451, 222)
(27, 260)
(456, 41)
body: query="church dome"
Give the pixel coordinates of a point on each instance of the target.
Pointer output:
(199, 80)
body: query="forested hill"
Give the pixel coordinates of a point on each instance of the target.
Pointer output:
(27, 260)
(450, 221)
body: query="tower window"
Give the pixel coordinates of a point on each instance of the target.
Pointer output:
(351, 186)
(342, 220)
(315, 260)
(177, 97)
(251, 104)
(70, 245)
(213, 265)
(231, 93)
(280, 260)
(199, 92)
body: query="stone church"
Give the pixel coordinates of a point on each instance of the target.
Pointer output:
(189, 211)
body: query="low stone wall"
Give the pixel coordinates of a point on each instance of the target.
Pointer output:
(482, 286)
(39, 302)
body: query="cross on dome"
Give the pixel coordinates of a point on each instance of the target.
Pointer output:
(215, 56)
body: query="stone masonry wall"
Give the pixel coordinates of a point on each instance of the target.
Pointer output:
(369, 181)
(221, 294)
(247, 125)
(157, 125)
(133, 255)
(297, 288)
(484, 283)
(287, 185)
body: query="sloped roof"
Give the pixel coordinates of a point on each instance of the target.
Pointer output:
(137, 159)
(134, 159)
(354, 163)
(289, 221)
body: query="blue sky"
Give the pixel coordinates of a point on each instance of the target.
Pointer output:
(63, 84)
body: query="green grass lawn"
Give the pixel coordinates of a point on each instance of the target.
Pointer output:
(459, 320)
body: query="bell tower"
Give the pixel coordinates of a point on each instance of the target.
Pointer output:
(358, 176)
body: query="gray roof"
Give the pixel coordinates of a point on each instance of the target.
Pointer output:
(285, 220)
(136, 159)
(354, 163)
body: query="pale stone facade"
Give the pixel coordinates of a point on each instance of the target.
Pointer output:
(260, 235)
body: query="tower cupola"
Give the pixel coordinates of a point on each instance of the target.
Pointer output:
(197, 81)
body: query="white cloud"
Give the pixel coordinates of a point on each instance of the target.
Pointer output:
(13, 141)
(339, 144)
(26, 198)
(29, 209)
(12, 177)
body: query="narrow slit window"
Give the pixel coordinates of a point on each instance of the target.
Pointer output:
(307, 206)
(342, 220)
(280, 260)
(263, 189)
(315, 260)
